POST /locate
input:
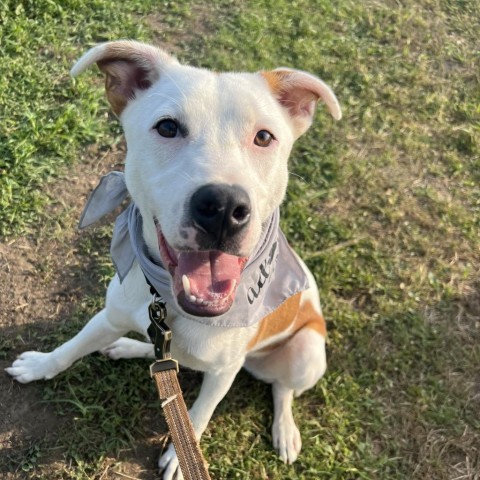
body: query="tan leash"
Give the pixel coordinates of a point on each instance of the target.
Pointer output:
(164, 372)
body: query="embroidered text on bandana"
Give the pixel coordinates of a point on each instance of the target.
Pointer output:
(272, 275)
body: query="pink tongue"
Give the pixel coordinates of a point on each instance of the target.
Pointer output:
(209, 272)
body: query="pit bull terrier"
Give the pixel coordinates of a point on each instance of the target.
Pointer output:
(206, 170)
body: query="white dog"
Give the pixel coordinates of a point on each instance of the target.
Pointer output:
(206, 169)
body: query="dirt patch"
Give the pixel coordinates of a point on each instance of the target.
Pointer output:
(38, 289)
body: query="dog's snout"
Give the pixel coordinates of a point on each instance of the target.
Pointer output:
(220, 210)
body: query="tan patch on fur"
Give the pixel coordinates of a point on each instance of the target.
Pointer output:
(291, 315)
(127, 66)
(117, 101)
(275, 80)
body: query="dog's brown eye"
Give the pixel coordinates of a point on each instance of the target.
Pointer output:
(263, 138)
(167, 128)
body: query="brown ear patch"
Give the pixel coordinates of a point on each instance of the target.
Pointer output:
(122, 79)
(128, 68)
(292, 315)
(274, 80)
(299, 93)
(290, 92)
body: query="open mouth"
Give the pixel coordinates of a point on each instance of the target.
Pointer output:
(204, 282)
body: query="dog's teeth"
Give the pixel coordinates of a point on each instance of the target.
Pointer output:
(219, 299)
(188, 290)
(186, 286)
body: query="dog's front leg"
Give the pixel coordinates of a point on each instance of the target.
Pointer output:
(96, 334)
(214, 387)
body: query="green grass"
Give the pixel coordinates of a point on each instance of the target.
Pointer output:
(384, 206)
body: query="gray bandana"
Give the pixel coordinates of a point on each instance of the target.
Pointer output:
(272, 275)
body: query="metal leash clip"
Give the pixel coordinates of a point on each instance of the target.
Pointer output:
(160, 335)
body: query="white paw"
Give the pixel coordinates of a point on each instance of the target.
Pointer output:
(168, 465)
(286, 438)
(30, 366)
(128, 348)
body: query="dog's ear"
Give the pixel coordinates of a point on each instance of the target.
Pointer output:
(299, 92)
(128, 66)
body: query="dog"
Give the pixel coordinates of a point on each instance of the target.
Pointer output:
(206, 169)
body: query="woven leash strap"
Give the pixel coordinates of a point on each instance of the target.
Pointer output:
(164, 372)
(190, 458)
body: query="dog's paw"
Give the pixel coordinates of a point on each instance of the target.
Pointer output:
(30, 366)
(286, 438)
(168, 465)
(128, 348)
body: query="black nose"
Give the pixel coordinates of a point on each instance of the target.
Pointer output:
(220, 210)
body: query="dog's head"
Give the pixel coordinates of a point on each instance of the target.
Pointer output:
(207, 159)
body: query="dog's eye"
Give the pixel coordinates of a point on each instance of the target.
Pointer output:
(167, 128)
(263, 138)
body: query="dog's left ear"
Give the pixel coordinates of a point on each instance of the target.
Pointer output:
(128, 66)
(299, 93)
